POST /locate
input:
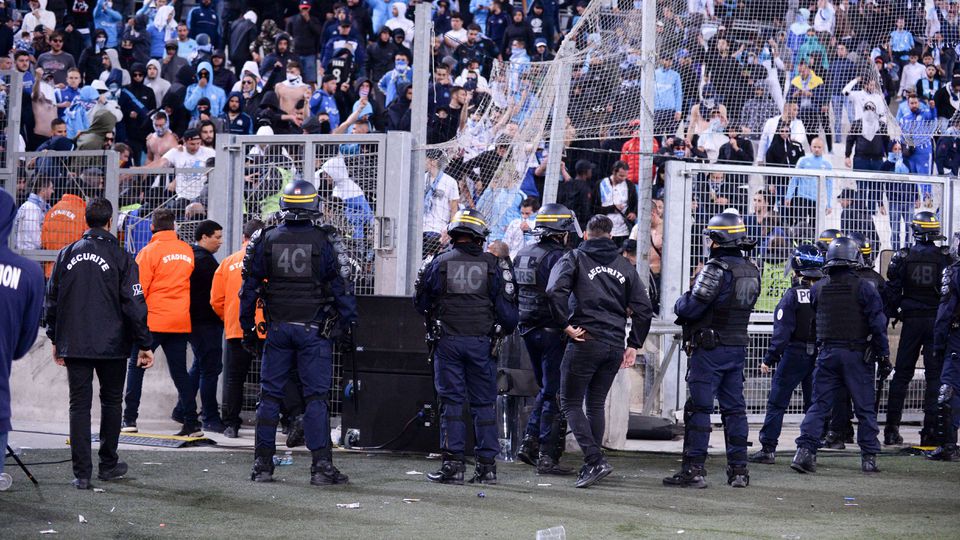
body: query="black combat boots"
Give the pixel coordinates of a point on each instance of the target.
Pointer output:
(450, 472)
(764, 456)
(690, 475)
(485, 473)
(804, 461)
(323, 473)
(529, 448)
(262, 468)
(738, 476)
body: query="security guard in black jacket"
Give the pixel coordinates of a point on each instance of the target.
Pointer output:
(592, 291)
(851, 335)
(95, 314)
(913, 294)
(793, 349)
(302, 276)
(841, 425)
(543, 336)
(714, 314)
(471, 295)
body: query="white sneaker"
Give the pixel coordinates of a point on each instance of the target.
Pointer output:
(128, 428)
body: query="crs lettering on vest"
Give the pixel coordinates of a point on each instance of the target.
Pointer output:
(466, 277)
(10, 276)
(292, 260)
(91, 257)
(597, 270)
(525, 270)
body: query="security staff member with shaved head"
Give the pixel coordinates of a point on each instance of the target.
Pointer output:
(913, 292)
(543, 441)
(714, 314)
(593, 290)
(471, 295)
(852, 335)
(302, 276)
(95, 313)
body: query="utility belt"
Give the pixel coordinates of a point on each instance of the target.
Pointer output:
(809, 348)
(857, 346)
(705, 338)
(921, 313)
(524, 330)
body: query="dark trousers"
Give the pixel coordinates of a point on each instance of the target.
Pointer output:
(295, 347)
(545, 347)
(235, 370)
(110, 374)
(175, 349)
(207, 344)
(715, 374)
(916, 335)
(838, 367)
(795, 369)
(842, 413)
(465, 372)
(586, 374)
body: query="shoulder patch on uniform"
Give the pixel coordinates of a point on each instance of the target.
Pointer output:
(803, 296)
(779, 314)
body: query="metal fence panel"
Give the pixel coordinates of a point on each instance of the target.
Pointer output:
(11, 93)
(879, 205)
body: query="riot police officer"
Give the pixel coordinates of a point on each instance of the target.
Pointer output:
(714, 314)
(793, 349)
(543, 440)
(851, 334)
(841, 427)
(946, 345)
(825, 238)
(300, 273)
(472, 296)
(913, 296)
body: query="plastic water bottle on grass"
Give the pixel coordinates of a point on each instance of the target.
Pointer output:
(5, 481)
(553, 533)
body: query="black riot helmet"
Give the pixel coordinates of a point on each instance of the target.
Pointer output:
(866, 247)
(299, 201)
(926, 227)
(727, 230)
(555, 218)
(843, 251)
(807, 261)
(468, 222)
(825, 238)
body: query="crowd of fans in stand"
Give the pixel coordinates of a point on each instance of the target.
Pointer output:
(773, 82)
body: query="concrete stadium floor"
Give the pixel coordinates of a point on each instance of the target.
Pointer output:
(206, 493)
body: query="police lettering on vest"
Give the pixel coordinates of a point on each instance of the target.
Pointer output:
(803, 329)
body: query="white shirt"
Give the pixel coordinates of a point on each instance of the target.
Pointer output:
(189, 186)
(615, 195)
(798, 133)
(911, 74)
(456, 36)
(825, 18)
(343, 187)
(437, 216)
(29, 222)
(516, 239)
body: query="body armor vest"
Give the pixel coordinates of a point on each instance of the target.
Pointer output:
(839, 314)
(534, 306)
(922, 271)
(803, 330)
(730, 318)
(465, 307)
(294, 292)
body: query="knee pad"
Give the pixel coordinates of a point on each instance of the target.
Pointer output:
(736, 440)
(483, 415)
(451, 411)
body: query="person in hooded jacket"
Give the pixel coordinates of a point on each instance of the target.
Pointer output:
(171, 63)
(161, 28)
(518, 29)
(374, 101)
(137, 34)
(237, 121)
(107, 19)
(204, 87)
(272, 115)
(158, 84)
(273, 68)
(399, 21)
(247, 86)
(398, 113)
(393, 80)
(380, 54)
(91, 59)
(137, 101)
(243, 32)
(222, 77)
(203, 19)
(110, 61)
(22, 298)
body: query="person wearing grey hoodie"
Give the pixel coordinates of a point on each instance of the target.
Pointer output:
(158, 84)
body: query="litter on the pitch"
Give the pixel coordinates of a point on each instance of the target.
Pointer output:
(81, 519)
(348, 505)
